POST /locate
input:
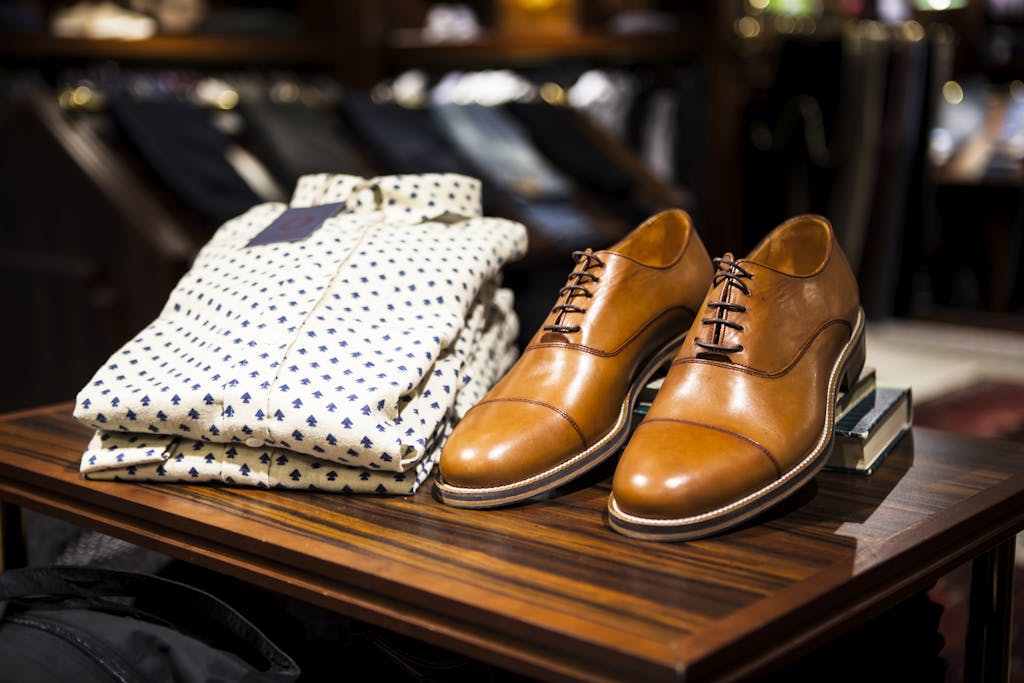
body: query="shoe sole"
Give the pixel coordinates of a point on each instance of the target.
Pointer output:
(844, 373)
(573, 467)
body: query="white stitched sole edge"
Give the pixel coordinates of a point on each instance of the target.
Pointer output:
(824, 438)
(571, 468)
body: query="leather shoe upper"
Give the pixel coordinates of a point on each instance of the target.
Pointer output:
(566, 396)
(747, 404)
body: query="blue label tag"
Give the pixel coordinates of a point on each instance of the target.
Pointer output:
(296, 224)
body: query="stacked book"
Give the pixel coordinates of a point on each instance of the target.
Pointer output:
(870, 420)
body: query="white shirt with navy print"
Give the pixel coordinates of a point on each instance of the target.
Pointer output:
(336, 362)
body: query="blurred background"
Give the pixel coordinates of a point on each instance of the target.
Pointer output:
(129, 131)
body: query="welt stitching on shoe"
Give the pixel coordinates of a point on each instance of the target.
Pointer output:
(775, 463)
(760, 373)
(565, 415)
(616, 351)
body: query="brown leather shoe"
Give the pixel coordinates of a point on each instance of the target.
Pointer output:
(566, 405)
(745, 415)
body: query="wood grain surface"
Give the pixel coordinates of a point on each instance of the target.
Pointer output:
(546, 588)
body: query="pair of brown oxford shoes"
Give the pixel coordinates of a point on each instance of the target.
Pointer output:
(759, 349)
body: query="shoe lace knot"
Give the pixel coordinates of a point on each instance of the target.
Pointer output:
(577, 287)
(730, 278)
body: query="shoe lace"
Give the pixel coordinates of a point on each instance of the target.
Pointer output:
(733, 275)
(579, 277)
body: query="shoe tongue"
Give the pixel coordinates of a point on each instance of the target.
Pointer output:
(584, 263)
(724, 266)
(711, 333)
(554, 338)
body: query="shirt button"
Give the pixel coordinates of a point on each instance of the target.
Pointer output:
(253, 443)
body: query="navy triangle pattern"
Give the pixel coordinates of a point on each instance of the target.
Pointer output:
(358, 346)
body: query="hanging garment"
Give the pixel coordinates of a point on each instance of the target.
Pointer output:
(332, 353)
(187, 152)
(408, 140)
(501, 148)
(567, 139)
(296, 139)
(405, 140)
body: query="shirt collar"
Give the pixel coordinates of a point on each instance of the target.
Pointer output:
(411, 197)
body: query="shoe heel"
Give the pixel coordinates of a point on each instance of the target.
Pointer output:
(854, 364)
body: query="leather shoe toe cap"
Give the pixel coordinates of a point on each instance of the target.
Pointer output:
(504, 442)
(677, 470)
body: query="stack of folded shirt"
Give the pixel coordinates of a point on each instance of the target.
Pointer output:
(326, 345)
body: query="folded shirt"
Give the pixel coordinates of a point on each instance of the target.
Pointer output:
(188, 153)
(332, 353)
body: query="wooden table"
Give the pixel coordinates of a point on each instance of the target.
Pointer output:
(547, 589)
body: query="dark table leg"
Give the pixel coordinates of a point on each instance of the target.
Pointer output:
(12, 537)
(989, 621)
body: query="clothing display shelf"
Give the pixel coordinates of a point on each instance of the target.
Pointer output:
(693, 33)
(511, 32)
(976, 273)
(332, 37)
(405, 48)
(189, 49)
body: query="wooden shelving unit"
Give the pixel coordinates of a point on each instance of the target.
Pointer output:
(191, 48)
(405, 48)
